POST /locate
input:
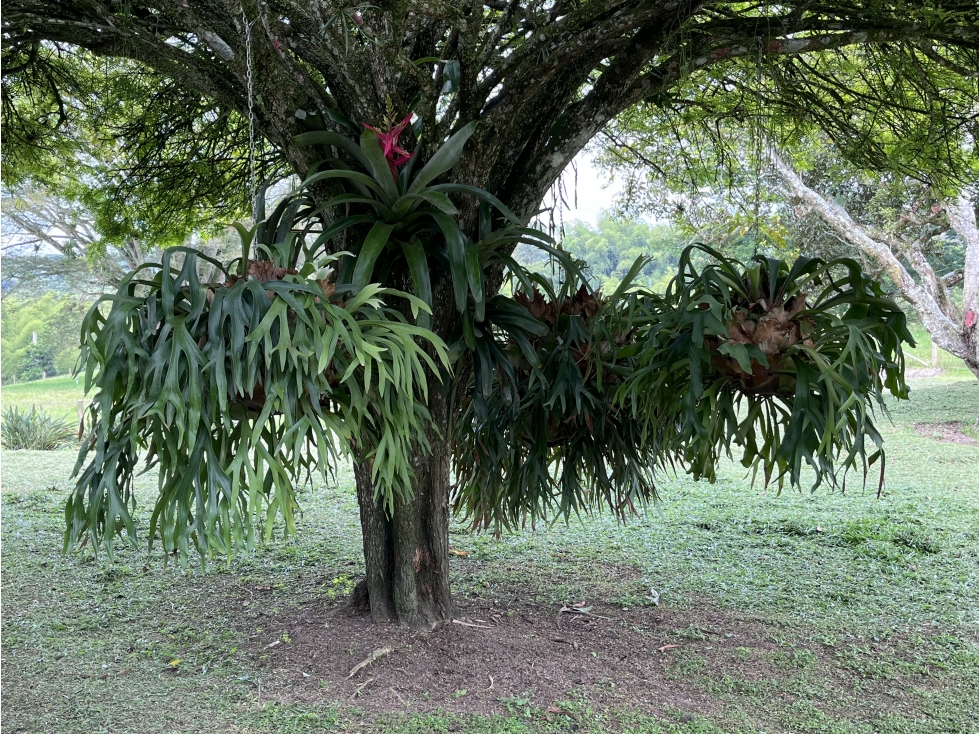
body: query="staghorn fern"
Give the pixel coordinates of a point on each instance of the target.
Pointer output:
(580, 408)
(235, 391)
(782, 362)
(540, 435)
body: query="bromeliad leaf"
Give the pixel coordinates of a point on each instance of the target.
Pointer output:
(373, 245)
(443, 160)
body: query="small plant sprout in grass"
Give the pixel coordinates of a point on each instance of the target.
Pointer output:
(519, 704)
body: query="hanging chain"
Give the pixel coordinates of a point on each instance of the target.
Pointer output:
(252, 186)
(756, 133)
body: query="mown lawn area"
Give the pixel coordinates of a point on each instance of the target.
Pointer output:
(56, 396)
(799, 612)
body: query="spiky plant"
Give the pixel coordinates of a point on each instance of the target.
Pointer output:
(34, 430)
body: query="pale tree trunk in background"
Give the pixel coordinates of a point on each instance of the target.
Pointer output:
(951, 328)
(962, 215)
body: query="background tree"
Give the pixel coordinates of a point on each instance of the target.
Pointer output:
(52, 241)
(917, 232)
(56, 319)
(36, 364)
(541, 79)
(951, 325)
(610, 249)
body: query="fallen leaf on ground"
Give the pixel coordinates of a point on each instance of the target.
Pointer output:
(554, 710)
(666, 647)
(468, 624)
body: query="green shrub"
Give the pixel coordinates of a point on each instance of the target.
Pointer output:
(37, 364)
(34, 430)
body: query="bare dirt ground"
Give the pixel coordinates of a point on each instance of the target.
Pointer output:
(950, 432)
(491, 657)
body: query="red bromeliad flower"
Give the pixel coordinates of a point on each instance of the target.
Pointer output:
(395, 154)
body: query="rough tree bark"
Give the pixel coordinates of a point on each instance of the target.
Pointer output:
(949, 326)
(407, 553)
(541, 77)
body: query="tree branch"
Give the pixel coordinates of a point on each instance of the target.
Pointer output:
(941, 326)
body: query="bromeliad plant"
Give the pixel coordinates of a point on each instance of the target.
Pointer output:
(409, 220)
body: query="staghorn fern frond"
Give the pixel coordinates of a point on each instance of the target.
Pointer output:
(235, 391)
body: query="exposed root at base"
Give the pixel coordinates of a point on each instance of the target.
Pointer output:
(360, 600)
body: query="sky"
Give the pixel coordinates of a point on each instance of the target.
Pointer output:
(595, 191)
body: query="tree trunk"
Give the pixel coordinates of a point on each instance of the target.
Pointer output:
(407, 555)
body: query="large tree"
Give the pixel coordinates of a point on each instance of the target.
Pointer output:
(541, 78)
(902, 252)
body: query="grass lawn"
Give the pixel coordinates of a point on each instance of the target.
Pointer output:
(777, 613)
(56, 396)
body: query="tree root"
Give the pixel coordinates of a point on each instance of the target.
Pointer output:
(359, 601)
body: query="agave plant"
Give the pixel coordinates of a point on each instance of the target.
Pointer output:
(784, 362)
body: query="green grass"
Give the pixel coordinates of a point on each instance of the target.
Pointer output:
(57, 396)
(858, 614)
(953, 366)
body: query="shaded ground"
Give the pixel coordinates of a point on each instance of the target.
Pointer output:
(665, 664)
(510, 653)
(792, 613)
